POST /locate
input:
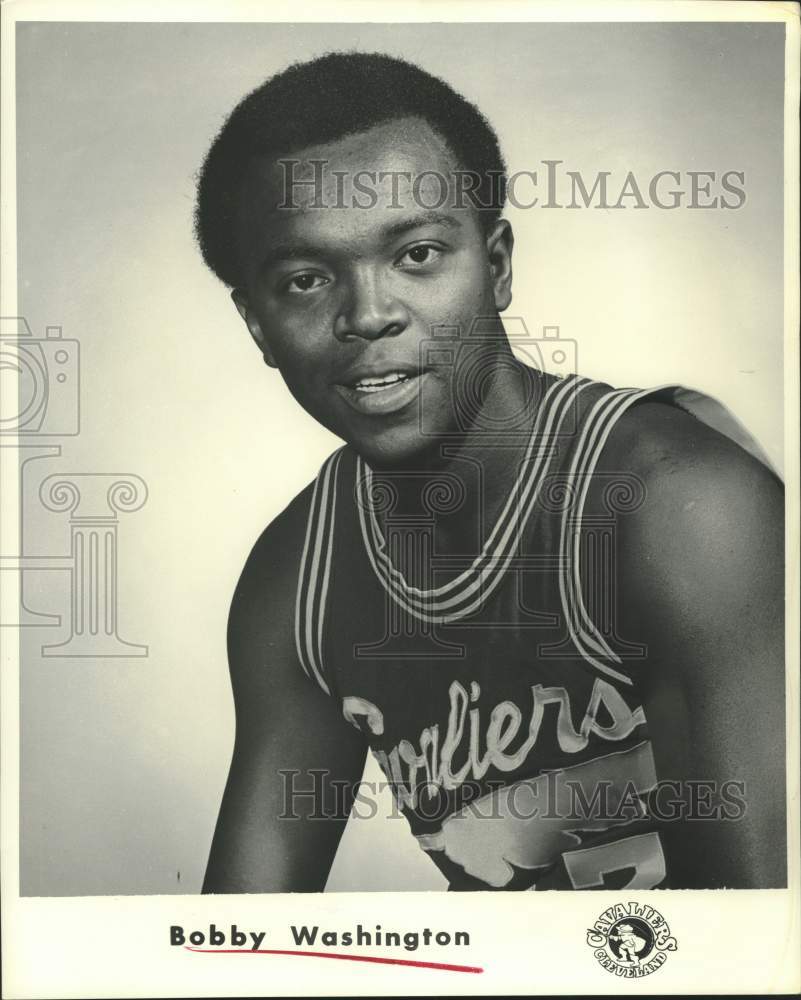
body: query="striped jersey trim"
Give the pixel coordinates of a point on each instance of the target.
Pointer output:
(465, 593)
(315, 572)
(597, 427)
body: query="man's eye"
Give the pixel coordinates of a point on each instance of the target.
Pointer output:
(425, 253)
(305, 283)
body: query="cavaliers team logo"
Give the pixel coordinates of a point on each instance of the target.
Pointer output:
(631, 940)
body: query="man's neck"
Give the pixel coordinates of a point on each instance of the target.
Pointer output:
(463, 483)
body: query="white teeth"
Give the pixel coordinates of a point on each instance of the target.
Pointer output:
(378, 384)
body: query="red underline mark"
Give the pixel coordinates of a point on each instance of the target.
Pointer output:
(344, 958)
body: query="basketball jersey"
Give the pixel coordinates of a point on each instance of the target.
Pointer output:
(495, 690)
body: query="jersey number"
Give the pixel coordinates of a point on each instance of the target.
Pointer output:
(643, 853)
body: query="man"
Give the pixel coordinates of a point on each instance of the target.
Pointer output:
(551, 609)
(629, 943)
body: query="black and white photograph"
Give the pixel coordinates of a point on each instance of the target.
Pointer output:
(400, 498)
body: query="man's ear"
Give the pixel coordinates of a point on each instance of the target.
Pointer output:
(252, 323)
(500, 243)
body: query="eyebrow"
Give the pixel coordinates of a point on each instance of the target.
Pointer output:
(296, 251)
(428, 218)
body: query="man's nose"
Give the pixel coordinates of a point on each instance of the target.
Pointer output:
(369, 309)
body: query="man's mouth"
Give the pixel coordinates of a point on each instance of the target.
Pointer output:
(381, 382)
(380, 392)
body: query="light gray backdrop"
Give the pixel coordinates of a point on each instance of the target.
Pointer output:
(124, 759)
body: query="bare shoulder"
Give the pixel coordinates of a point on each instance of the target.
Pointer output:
(711, 517)
(261, 618)
(678, 459)
(274, 558)
(659, 441)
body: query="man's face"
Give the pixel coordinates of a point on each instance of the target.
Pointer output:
(342, 298)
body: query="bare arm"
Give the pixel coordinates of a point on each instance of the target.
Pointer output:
(702, 584)
(284, 723)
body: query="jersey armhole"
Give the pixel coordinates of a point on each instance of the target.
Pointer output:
(587, 638)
